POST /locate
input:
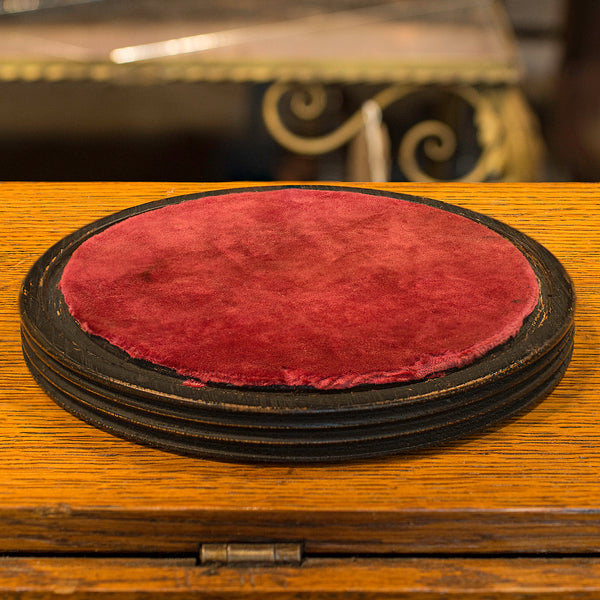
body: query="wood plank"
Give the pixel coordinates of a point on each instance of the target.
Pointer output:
(411, 578)
(527, 486)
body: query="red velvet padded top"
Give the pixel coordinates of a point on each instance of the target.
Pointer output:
(300, 287)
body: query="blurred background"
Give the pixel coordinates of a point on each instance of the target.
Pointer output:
(131, 90)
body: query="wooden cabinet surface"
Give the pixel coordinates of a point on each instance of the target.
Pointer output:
(511, 512)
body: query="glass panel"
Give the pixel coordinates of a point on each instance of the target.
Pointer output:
(264, 30)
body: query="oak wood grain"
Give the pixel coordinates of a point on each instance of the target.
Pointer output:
(409, 579)
(531, 485)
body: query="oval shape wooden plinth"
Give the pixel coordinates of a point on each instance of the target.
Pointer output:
(152, 405)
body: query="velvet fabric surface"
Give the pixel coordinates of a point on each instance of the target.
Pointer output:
(300, 287)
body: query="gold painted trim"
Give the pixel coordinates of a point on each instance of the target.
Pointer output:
(468, 72)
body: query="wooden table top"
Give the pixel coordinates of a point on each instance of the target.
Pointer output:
(532, 484)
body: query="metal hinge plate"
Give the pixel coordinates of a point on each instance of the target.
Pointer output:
(262, 554)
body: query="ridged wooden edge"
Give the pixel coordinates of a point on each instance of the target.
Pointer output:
(324, 444)
(150, 404)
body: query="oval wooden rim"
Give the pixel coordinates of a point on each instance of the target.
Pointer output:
(111, 400)
(223, 444)
(46, 319)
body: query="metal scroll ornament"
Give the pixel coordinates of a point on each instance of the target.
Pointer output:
(506, 130)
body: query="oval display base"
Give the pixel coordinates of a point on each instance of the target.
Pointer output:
(156, 406)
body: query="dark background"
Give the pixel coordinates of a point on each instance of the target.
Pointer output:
(211, 132)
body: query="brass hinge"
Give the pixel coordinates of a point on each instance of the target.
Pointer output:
(263, 554)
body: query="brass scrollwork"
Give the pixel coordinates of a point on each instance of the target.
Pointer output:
(501, 118)
(301, 107)
(440, 141)
(439, 144)
(309, 102)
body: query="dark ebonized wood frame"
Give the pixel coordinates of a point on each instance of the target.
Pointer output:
(150, 404)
